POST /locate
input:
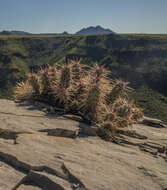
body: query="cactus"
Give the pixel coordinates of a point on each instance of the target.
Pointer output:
(34, 81)
(62, 98)
(76, 71)
(124, 111)
(90, 105)
(86, 91)
(119, 89)
(23, 91)
(137, 113)
(110, 116)
(107, 131)
(80, 91)
(52, 74)
(121, 122)
(78, 95)
(46, 83)
(65, 78)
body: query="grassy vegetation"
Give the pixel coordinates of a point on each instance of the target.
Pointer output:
(140, 59)
(153, 103)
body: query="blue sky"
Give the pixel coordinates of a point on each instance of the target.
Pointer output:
(54, 16)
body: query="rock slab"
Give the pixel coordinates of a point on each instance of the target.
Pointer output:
(32, 158)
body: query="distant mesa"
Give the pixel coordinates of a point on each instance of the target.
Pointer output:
(88, 30)
(95, 30)
(65, 33)
(6, 32)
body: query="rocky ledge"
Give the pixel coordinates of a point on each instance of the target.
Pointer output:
(52, 152)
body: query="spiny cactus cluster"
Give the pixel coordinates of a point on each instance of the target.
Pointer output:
(86, 91)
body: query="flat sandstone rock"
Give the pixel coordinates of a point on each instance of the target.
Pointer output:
(35, 160)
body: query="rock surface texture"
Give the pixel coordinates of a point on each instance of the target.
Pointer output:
(31, 158)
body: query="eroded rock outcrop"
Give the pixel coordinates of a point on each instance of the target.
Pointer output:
(74, 158)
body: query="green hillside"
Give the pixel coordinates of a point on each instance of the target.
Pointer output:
(140, 59)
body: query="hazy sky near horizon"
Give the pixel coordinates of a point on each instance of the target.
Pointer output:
(55, 16)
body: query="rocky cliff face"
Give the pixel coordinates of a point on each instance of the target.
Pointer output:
(51, 152)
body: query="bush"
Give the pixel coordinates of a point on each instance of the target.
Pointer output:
(86, 91)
